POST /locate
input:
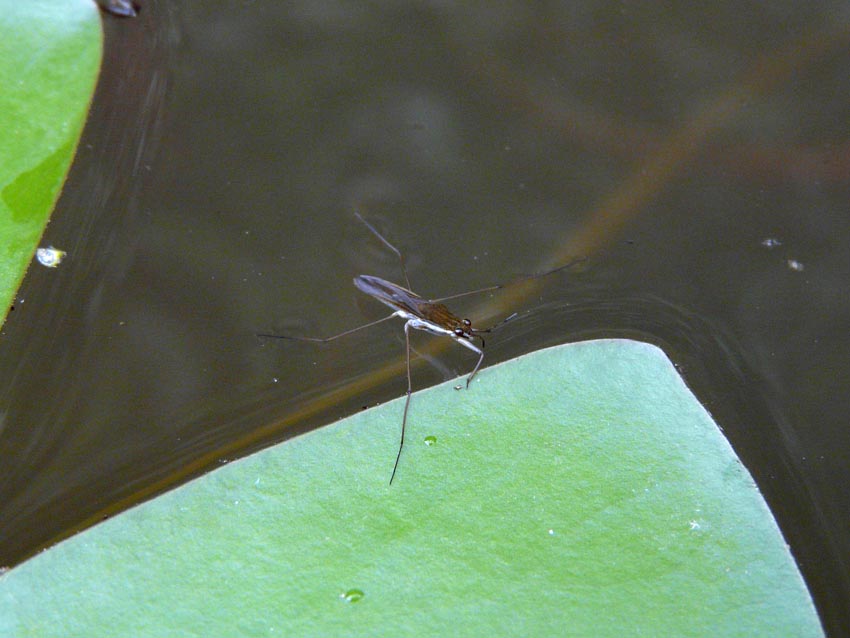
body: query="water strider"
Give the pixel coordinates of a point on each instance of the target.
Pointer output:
(430, 315)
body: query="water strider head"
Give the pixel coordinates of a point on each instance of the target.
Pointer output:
(463, 330)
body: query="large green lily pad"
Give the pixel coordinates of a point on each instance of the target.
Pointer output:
(576, 491)
(50, 54)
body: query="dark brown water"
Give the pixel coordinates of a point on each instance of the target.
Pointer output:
(699, 157)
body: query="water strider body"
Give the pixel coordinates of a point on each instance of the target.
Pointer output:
(423, 314)
(429, 315)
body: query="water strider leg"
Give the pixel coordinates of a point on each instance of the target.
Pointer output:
(326, 339)
(474, 348)
(516, 280)
(388, 245)
(477, 365)
(406, 401)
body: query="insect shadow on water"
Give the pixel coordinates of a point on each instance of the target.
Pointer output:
(429, 315)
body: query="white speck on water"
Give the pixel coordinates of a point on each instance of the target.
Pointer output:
(770, 242)
(793, 264)
(50, 257)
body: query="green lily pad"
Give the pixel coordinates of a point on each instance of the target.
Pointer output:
(50, 54)
(576, 491)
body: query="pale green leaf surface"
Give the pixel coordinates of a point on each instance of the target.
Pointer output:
(576, 491)
(50, 53)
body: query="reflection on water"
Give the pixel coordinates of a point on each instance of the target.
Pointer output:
(213, 199)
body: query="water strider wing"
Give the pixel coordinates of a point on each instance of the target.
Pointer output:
(411, 304)
(391, 294)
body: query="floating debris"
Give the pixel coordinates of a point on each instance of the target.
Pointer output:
(793, 264)
(120, 8)
(50, 257)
